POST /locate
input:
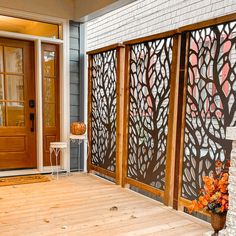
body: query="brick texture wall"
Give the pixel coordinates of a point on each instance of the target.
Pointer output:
(147, 17)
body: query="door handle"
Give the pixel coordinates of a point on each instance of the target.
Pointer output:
(32, 122)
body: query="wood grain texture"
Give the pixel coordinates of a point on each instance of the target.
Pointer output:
(144, 187)
(102, 171)
(120, 111)
(207, 23)
(183, 116)
(84, 205)
(126, 115)
(151, 37)
(17, 142)
(179, 119)
(13, 144)
(104, 49)
(172, 123)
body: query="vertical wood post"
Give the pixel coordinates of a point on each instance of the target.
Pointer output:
(180, 117)
(120, 110)
(126, 114)
(181, 123)
(90, 62)
(182, 129)
(172, 122)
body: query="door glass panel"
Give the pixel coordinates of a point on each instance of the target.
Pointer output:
(15, 114)
(13, 60)
(1, 59)
(2, 114)
(49, 90)
(15, 87)
(1, 87)
(49, 114)
(49, 64)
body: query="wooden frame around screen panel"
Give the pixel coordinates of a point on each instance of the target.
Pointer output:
(207, 23)
(181, 125)
(126, 116)
(180, 114)
(166, 195)
(120, 50)
(172, 122)
(179, 202)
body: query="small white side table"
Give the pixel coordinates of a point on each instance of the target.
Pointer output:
(56, 147)
(78, 139)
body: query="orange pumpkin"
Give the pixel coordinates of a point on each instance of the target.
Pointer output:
(78, 128)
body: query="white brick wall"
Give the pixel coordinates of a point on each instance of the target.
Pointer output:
(147, 17)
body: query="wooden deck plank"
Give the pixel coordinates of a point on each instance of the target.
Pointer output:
(81, 205)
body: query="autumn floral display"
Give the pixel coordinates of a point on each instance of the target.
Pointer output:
(213, 196)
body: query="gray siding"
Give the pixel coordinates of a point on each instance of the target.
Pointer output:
(76, 105)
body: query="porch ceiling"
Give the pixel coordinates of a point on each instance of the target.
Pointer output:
(86, 205)
(89, 9)
(78, 10)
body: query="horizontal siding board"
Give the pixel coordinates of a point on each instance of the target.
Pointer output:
(74, 77)
(74, 89)
(74, 100)
(75, 111)
(74, 118)
(74, 66)
(74, 31)
(74, 43)
(74, 55)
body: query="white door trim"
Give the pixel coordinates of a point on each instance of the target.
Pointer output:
(64, 82)
(39, 104)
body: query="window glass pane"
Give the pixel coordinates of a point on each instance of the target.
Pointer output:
(49, 90)
(49, 64)
(1, 87)
(1, 59)
(24, 26)
(13, 59)
(2, 114)
(15, 114)
(49, 114)
(15, 87)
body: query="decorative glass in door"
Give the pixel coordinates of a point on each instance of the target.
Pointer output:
(12, 99)
(51, 119)
(49, 88)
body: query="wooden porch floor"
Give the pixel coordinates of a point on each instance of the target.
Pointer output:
(87, 205)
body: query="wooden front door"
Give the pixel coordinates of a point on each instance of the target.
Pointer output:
(51, 109)
(17, 105)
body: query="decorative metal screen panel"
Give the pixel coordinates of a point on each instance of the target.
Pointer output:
(150, 65)
(210, 103)
(104, 110)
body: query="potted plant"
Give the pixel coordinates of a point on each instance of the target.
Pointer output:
(213, 197)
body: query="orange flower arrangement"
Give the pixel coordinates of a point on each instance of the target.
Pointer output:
(213, 196)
